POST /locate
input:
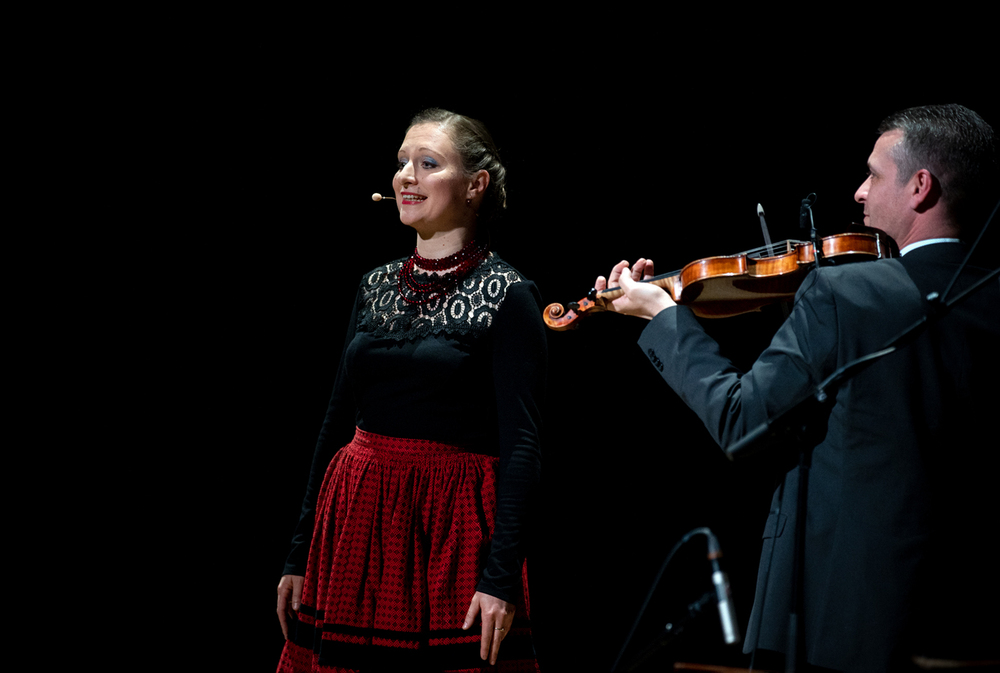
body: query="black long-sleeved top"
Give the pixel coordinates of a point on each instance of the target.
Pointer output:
(467, 369)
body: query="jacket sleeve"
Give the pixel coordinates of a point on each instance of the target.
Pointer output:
(731, 402)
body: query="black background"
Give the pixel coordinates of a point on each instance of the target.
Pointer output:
(256, 222)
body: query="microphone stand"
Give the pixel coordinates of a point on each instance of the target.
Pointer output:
(804, 424)
(670, 632)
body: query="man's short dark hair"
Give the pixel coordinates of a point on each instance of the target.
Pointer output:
(959, 149)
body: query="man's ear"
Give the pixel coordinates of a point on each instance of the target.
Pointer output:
(924, 190)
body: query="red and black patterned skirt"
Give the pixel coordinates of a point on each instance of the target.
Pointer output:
(401, 537)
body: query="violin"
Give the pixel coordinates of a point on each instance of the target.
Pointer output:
(729, 285)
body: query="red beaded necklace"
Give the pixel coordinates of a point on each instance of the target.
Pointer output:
(413, 291)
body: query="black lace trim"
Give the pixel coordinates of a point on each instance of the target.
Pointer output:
(468, 309)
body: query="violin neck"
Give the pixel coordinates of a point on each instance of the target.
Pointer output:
(665, 280)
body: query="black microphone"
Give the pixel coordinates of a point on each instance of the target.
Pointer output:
(727, 612)
(806, 205)
(806, 224)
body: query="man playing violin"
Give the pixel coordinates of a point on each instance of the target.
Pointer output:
(900, 487)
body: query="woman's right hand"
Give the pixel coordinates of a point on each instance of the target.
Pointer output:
(289, 599)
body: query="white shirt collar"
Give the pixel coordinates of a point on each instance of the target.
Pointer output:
(929, 241)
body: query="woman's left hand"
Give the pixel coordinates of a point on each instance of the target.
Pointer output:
(497, 616)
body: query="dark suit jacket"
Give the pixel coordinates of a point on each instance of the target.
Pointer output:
(901, 479)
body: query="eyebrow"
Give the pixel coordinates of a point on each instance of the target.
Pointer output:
(421, 149)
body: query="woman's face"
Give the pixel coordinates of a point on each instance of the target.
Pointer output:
(430, 184)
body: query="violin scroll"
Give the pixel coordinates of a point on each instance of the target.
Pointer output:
(561, 318)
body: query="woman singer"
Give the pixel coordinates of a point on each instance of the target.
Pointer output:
(410, 547)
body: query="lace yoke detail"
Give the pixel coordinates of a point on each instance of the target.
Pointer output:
(469, 309)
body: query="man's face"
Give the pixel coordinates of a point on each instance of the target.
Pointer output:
(883, 196)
